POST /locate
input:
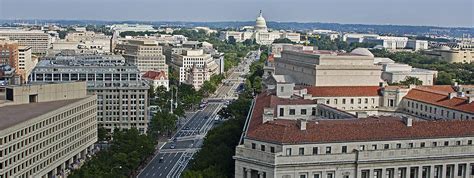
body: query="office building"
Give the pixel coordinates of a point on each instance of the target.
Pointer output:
(194, 63)
(288, 135)
(145, 54)
(119, 28)
(122, 96)
(18, 57)
(39, 41)
(46, 129)
(329, 68)
(395, 72)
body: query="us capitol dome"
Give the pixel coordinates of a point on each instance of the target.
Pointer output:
(260, 23)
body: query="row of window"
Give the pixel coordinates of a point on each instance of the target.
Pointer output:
(413, 107)
(344, 148)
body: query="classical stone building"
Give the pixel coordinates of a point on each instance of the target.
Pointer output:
(329, 68)
(147, 55)
(290, 135)
(194, 66)
(46, 129)
(458, 53)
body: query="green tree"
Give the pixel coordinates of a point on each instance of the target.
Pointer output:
(444, 78)
(283, 40)
(151, 91)
(411, 81)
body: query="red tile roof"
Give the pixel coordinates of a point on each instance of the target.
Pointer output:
(438, 88)
(369, 129)
(155, 75)
(340, 91)
(440, 99)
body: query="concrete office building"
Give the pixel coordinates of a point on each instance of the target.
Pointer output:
(290, 136)
(329, 68)
(197, 59)
(395, 72)
(39, 41)
(145, 54)
(122, 95)
(46, 129)
(118, 28)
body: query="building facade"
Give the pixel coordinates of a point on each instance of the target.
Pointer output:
(459, 54)
(303, 144)
(197, 60)
(39, 41)
(122, 95)
(157, 79)
(329, 68)
(56, 134)
(145, 54)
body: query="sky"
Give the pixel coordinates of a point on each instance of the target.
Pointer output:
(445, 13)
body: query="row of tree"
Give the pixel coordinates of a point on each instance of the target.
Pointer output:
(214, 160)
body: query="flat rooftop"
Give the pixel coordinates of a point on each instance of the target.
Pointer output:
(15, 114)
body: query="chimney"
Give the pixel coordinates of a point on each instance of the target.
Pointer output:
(360, 115)
(267, 114)
(470, 99)
(408, 121)
(452, 95)
(302, 124)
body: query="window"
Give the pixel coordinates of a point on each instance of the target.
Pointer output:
(335, 101)
(352, 100)
(343, 101)
(435, 144)
(315, 150)
(458, 142)
(374, 147)
(302, 176)
(359, 101)
(410, 145)
(446, 143)
(469, 142)
(254, 145)
(399, 145)
(330, 175)
(262, 147)
(386, 146)
(288, 151)
(422, 144)
(362, 147)
(316, 176)
(301, 151)
(303, 111)
(292, 111)
(282, 112)
(281, 89)
(344, 149)
(328, 150)
(272, 149)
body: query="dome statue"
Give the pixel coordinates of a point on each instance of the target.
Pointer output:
(260, 23)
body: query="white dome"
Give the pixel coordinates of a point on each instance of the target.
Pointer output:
(362, 51)
(260, 23)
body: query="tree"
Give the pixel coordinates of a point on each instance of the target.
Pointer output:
(151, 91)
(409, 80)
(444, 78)
(231, 40)
(102, 134)
(283, 40)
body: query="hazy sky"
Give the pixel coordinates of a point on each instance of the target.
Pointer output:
(409, 12)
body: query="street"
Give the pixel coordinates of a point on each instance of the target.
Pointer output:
(179, 150)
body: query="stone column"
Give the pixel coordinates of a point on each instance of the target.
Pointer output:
(468, 170)
(432, 171)
(248, 172)
(456, 169)
(260, 174)
(396, 172)
(420, 172)
(384, 173)
(408, 172)
(443, 171)
(371, 173)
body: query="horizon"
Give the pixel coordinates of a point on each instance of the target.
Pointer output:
(435, 13)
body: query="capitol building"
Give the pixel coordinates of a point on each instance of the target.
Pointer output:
(260, 33)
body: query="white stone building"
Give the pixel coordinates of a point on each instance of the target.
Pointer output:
(194, 58)
(147, 55)
(157, 79)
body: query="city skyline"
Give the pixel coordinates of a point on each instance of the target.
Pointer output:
(401, 12)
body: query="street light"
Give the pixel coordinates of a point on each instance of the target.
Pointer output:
(119, 167)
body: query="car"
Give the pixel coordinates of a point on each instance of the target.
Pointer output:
(175, 139)
(161, 160)
(186, 128)
(207, 117)
(173, 146)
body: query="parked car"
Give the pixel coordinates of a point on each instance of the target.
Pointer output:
(161, 160)
(173, 146)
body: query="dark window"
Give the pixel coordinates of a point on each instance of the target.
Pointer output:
(469, 142)
(386, 146)
(292, 111)
(301, 151)
(446, 143)
(422, 144)
(410, 145)
(262, 147)
(315, 150)
(254, 145)
(399, 145)
(328, 150)
(303, 111)
(272, 149)
(435, 144)
(344, 149)
(282, 112)
(458, 142)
